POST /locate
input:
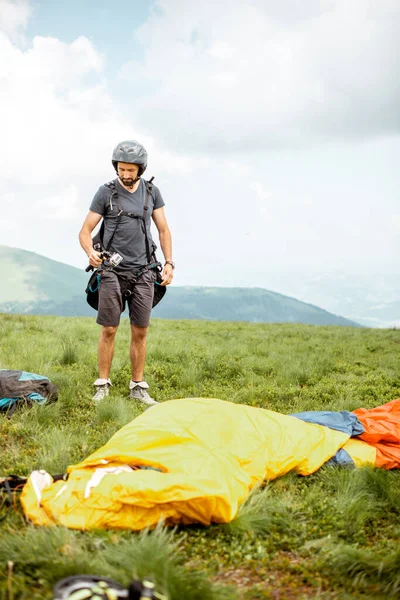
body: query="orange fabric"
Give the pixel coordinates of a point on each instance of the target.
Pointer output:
(382, 430)
(387, 456)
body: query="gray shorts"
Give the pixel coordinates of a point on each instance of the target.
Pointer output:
(111, 304)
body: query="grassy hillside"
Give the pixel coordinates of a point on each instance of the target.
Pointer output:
(33, 284)
(31, 281)
(333, 535)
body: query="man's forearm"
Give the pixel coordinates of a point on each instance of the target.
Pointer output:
(166, 244)
(86, 241)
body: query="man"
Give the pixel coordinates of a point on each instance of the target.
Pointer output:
(126, 230)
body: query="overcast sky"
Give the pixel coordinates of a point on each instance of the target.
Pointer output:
(273, 130)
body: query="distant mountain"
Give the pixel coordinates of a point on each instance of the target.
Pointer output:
(370, 296)
(242, 304)
(33, 284)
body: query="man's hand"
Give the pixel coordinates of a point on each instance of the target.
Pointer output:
(95, 259)
(167, 275)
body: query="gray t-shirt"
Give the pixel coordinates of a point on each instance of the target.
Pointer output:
(129, 239)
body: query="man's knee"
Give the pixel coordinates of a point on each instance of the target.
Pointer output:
(108, 333)
(138, 333)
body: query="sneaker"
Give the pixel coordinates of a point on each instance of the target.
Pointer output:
(139, 392)
(102, 389)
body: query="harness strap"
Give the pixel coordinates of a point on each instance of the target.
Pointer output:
(114, 195)
(145, 209)
(122, 212)
(128, 282)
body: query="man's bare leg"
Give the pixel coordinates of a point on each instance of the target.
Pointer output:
(106, 351)
(137, 386)
(138, 351)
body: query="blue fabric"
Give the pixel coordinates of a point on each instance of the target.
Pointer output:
(344, 421)
(36, 398)
(341, 458)
(25, 376)
(7, 402)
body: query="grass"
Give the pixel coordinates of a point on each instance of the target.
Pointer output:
(333, 535)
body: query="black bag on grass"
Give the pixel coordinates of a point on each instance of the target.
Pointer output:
(19, 386)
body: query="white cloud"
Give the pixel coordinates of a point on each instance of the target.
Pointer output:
(14, 16)
(264, 74)
(51, 118)
(221, 50)
(259, 189)
(236, 168)
(7, 226)
(396, 220)
(57, 114)
(64, 206)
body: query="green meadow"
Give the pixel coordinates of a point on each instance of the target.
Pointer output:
(332, 535)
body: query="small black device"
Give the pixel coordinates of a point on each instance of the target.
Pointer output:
(113, 259)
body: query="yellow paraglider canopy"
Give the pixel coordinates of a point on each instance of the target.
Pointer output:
(203, 457)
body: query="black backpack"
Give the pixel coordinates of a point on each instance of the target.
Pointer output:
(21, 386)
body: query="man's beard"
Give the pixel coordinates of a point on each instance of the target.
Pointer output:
(128, 182)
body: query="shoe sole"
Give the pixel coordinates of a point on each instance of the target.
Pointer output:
(144, 401)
